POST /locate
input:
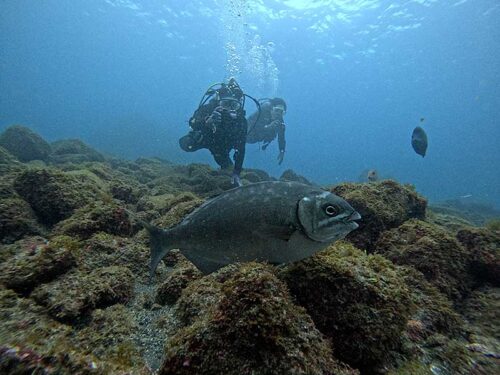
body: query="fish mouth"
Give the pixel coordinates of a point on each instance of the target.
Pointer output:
(351, 219)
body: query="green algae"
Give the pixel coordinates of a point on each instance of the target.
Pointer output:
(17, 219)
(96, 217)
(54, 195)
(254, 328)
(36, 265)
(72, 296)
(433, 251)
(484, 247)
(383, 205)
(361, 302)
(24, 144)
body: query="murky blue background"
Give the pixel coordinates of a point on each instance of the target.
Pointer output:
(125, 76)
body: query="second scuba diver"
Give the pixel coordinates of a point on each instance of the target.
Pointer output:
(219, 124)
(266, 124)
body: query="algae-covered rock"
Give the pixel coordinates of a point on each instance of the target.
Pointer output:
(383, 205)
(430, 249)
(17, 219)
(6, 157)
(434, 311)
(54, 195)
(104, 250)
(254, 328)
(75, 294)
(450, 222)
(484, 247)
(73, 151)
(36, 265)
(178, 212)
(32, 343)
(96, 217)
(170, 289)
(108, 338)
(24, 144)
(290, 175)
(481, 309)
(361, 302)
(197, 298)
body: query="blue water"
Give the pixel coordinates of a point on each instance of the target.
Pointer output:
(125, 76)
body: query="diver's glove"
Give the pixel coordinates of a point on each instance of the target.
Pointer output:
(215, 119)
(235, 180)
(281, 155)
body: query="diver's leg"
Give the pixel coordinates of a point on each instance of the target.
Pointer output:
(221, 157)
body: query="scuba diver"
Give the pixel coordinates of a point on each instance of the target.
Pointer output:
(266, 125)
(219, 125)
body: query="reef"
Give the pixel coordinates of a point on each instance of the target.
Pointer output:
(383, 205)
(253, 328)
(73, 151)
(431, 250)
(24, 144)
(484, 246)
(53, 194)
(412, 291)
(359, 301)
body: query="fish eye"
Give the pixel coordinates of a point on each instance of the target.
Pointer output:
(331, 210)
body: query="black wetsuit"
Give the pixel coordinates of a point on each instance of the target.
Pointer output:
(266, 129)
(221, 138)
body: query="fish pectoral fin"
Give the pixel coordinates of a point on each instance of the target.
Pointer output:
(273, 232)
(300, 247)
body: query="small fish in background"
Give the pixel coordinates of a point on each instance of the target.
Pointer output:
(419, 141)
(372, 175)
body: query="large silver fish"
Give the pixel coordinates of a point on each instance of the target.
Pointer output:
(275, 222)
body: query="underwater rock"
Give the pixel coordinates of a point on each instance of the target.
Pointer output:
(481, 311)
(290, 175)
(24, 144)
(96, 217)
(382, 205)
(108, 338)
(164, 202)
(73, 151)
(32, 343)
(450, 222)
(434, 311)
(430, 249)
(37, 264)
(17, 219)
(178, 211)
(484, 247)
(104, 250)
(170, 290)
(361, 302)
(478, 213)
(54, 195)
(254, 328)
(75, 294)
(6, 157)
(126, 192)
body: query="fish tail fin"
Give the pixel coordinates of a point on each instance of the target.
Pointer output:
(159, 246)
(159, 243)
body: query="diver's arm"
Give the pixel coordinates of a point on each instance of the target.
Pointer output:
(281, 137)
(239, 147)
